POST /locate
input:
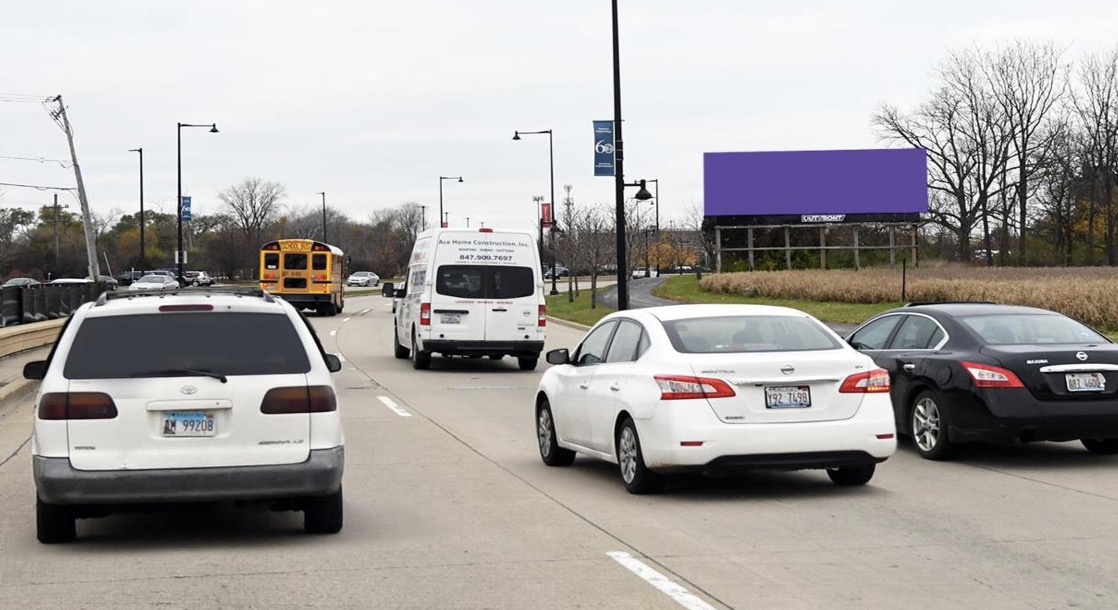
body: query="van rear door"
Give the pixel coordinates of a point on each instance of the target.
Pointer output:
(458, 309)
(513, 310)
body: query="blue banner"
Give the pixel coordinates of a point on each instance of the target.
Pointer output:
(603, 148)
(186, 208)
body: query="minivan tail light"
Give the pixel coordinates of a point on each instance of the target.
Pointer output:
(484, 230)
(543, 316)
(424, 314)
(76, 405)
(299, 399)
(990, 376)
(683, 387)
(869, 382)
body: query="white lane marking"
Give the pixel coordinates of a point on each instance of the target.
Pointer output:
(333, 333)
(363, 312)
(343, 321)
(397, 409)
(681, 595)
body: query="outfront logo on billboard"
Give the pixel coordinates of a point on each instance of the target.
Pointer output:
(822, 217)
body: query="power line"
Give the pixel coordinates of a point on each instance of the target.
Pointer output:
(37, 187)
(23, 98)
(66, 164)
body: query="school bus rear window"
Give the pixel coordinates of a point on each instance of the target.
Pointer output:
(294, 261)
(319, 262)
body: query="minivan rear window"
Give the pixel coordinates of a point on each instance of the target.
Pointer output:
(484, 282)
(115, 347)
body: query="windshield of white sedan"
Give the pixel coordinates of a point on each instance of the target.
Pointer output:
(732, 334)
(117, 347)
(1015, 329)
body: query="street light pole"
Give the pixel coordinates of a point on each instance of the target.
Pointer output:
(441, 178)
(180, 254)
(656, 202)
(323, 193)
(551, 165)
(141, 151)
(619, 172)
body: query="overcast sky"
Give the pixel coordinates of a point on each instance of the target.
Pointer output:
(372, 101)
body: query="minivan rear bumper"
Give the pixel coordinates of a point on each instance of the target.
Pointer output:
(60, 483)
(447, 348)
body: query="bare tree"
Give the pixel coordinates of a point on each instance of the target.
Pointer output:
(254, 205)
(597, 241)
(1096, 105)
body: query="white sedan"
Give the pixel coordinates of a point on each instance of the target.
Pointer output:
(154, 281)
(714, 388)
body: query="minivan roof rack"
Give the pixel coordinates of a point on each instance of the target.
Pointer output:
(918, 303)
(242, 291)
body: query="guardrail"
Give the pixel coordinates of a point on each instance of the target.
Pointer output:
(20, 305)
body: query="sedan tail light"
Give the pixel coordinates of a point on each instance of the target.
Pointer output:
(299, 399)
(683, 387)
(990, 376)
(77, 405)
(869, 382)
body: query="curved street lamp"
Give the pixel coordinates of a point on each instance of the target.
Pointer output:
(180, 255)
(445, 223)
(551, 164)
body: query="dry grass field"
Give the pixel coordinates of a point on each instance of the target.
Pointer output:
(1089, 294)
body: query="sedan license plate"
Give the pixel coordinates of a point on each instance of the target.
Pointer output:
(189, 423)
(787, 397)
(451, 318)
(1086, 382)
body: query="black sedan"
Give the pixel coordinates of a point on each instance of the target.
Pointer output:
(981, 371)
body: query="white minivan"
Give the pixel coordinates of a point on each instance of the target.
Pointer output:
(472, 292)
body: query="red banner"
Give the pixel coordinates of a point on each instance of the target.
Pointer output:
(545, 215)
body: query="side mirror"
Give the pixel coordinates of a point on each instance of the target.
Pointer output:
(399, 293)
(36, 369)
(387, 289)
(333, 363)
(559, 356)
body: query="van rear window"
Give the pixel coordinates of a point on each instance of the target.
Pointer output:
(115, 347)
(485, 282)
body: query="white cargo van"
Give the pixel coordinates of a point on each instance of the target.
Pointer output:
(472, 292)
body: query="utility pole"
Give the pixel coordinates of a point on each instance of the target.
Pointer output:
(63, 121)
(55, 210)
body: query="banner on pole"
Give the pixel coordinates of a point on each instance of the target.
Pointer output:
(545, 215)
(603, 148)
(186, 208)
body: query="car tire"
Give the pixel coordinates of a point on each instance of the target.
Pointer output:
(550, 451)
(324, 515)
(635, 476)
(1100, 446)
(851, 475)
(420, 361)
(528, 364)
(54, 523)
(398, 350)
(929, 425)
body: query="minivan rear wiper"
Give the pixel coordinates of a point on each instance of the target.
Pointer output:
(178, 372)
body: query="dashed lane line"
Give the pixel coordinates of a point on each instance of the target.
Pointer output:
(395, 408)
(681, 595)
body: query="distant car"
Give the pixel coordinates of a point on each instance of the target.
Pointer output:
(109, 281)
(198, 278)
(714, 388)
(363, 278)
(21, 282)
(154, 282)
(964, 372)
(639, 272)
(169, 273)
(67, 281)
(560, 271)
(126, 278)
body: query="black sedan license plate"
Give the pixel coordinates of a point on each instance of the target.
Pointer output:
(1086, 382)
(787, 397)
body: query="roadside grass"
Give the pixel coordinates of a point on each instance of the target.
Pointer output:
(579, 311)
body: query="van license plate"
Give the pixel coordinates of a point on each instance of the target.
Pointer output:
(189, 423)
(787, 397)
(1086, 382)
(452, 318)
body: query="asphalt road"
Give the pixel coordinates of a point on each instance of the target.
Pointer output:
(449, 506)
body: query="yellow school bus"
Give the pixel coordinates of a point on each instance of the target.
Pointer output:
(306, 273)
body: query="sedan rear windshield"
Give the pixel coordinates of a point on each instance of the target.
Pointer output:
(1017, 329)
(485, 282)
(115, 347)
(736, 334)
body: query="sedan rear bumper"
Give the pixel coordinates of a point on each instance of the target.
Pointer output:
(1013, 414)
(57, 482)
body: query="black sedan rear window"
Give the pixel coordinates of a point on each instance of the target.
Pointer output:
(221, 343)
(729, 334)
(1017, 329)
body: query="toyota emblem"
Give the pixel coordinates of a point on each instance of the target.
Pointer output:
(787, 369)
(189, 389)
(1081, 355)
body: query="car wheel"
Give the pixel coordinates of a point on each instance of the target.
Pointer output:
(929, 425)
(1101, 446)
(420, 361)
(398, 350)
(527, 364)
(852, 475)
(324, 515)
(550, 451)
(54, 523)
(637, 478)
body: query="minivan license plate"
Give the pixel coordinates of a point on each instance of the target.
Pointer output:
(787, 397)
(1086, 382)
(450, 318)
(189, 423)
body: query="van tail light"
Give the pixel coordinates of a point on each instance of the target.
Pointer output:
(424, 314)
(299, 399)
(485, 230)
(990, 376)
(77, 405)
(543, 316)
(683, 387)
(869, 382)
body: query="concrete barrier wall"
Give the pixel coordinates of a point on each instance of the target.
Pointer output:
(14, 339)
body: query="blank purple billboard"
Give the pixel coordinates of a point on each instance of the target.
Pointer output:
(881, 181)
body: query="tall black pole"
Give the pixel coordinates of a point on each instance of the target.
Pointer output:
(551, 157)
(141, 151)
(619, 173)
(323, 193)
(179, 252)
(657, 181)
(441, 223)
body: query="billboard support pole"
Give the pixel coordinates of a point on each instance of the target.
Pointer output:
(857, 251)
(823, 247)
(892, 247)
(915, 260)
(750, 236)
(717, 250)
(787, 249)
